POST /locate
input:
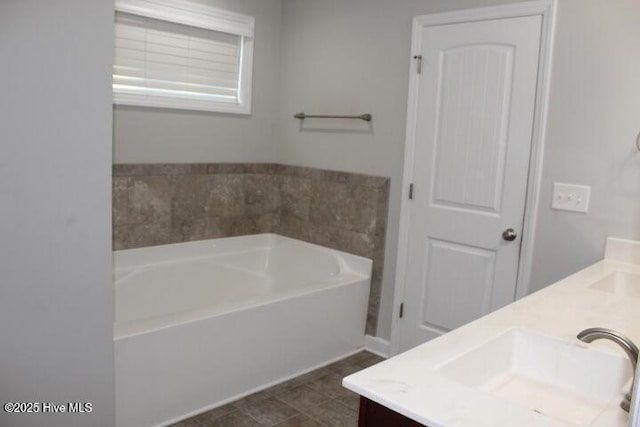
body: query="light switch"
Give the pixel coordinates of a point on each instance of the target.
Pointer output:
(571, 197)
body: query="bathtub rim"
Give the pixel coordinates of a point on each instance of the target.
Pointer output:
(361, 265)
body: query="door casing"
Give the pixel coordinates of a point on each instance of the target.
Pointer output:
(544, 8)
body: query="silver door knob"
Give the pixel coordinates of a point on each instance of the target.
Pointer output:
(509, 234)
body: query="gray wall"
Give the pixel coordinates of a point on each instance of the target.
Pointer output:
(146, 135)
(594, 117)
(56, 296)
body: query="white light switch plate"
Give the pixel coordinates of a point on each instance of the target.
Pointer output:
(571, 197)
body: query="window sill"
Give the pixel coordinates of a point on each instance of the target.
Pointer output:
(181, 104)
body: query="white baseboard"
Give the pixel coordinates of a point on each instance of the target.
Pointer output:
(377, 345)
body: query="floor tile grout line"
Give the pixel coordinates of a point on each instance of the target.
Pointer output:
(339, 402)
(290, 405)
(247, 413)
(314, 418)
(302, 412)
(287, 419)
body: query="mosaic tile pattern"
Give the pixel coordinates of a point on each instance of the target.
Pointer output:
(155, 204)
(315, 399)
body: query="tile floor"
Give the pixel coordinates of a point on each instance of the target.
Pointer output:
(311, 400)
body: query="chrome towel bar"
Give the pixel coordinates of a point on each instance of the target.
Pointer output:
(302, 116)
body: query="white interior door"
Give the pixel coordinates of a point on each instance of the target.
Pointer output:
(473, 132)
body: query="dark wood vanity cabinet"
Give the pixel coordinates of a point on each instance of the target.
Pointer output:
(373, 414)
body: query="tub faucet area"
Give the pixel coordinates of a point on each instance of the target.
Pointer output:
(593, 334)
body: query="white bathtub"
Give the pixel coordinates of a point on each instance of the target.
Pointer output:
(199, 324)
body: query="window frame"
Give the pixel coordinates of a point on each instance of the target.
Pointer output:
(201, 16)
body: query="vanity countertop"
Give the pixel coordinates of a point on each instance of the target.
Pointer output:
(411, 384)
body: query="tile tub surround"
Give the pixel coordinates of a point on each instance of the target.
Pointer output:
(156, 204)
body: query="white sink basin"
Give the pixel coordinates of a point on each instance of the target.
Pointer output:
(563, 380)
(621, 283)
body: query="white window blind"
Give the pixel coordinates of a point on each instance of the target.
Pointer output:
(182, 64)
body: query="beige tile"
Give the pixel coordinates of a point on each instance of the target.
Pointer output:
(295, 197)
(270, 411)
(120, 201)
(351, 401)
(382, 207)
(191, 208)
(227, 195)
(334, 414)
(299, 421)
(261, 194)
(344, 206)
(142, 235)
(330, 385)
(266, 223)
(150, 200)
(186, 230)
(346, 369)
(302, 397)
(235, 419)
(120, 236)
(292, 226)
(243, 225)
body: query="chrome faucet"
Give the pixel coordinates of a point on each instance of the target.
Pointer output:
(592, 334)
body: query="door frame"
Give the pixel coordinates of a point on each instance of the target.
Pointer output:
(544, 8)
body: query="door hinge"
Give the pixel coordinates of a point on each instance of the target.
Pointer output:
(401, 309)
(418, 59)
(410, 191)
